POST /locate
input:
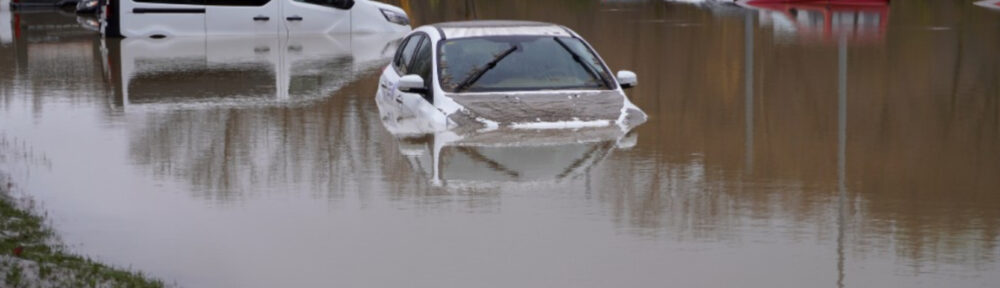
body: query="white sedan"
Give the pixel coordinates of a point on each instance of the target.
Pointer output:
(500, 74)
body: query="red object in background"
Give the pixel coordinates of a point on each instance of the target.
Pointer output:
(18, 250)
(829, 9)
(17, 25)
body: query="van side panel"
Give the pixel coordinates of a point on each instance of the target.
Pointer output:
(244, 17)
(307, 17)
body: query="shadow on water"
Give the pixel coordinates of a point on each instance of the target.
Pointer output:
(867, 140)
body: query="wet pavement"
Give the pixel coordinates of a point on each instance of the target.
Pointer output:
(785, 147)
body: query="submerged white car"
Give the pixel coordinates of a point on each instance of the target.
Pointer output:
(168, 18)
(502, 74)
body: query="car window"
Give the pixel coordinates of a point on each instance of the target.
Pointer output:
(405, 56)
(521, 63)
(422, 61)
(397, 60)
(339, 4)
(422, 64)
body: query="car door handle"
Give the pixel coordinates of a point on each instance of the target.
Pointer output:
(294, 18)
(261, 18)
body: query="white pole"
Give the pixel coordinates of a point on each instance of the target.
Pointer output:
(748, 78)
(841, 155)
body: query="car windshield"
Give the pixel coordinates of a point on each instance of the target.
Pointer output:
(519, 63)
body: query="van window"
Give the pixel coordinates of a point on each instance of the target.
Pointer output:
(185, 2)
(210, 2)
(237, 2)
(339, 4)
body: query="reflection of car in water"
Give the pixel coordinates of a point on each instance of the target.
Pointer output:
(89, 22)
(47, 40)
(167, 18)
(993, 4)
(860, 20)
(484, 159)
(236, 71)
(503, 74)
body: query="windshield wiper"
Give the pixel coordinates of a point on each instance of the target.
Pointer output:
(576, 57)
(476, 74)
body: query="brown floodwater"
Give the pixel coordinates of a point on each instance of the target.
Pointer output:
(786, 147)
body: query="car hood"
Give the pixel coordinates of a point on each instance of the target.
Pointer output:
(546, 109)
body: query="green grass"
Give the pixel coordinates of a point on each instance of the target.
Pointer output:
(42, 263)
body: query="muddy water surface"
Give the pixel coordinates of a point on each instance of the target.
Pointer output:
(786, 147)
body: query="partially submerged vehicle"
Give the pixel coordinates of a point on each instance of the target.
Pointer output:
(498, 74)
(168, 18)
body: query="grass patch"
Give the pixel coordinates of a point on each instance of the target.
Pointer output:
(31, 257)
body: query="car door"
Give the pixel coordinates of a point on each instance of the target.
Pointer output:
(242, 17)
(146, 18)
(317, 16)
(421, 66)
(388, 84)
(417, 105)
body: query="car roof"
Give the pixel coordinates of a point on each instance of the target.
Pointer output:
(482, 28)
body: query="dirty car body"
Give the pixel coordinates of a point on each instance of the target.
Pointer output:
(503, 74)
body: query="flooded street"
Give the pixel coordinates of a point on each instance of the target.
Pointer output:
(785, 147)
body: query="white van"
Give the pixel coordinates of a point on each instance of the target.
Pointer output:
(166, 18)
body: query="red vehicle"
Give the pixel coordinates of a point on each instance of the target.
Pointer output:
(825, 20)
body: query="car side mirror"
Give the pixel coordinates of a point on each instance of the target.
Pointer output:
(412, 84)
(627, 79)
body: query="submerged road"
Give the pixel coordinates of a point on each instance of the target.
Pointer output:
(820, 148)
